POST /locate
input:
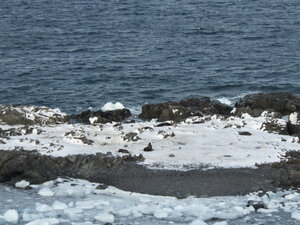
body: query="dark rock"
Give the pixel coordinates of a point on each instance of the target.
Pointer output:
(102, 117)
(148, 148)
(256, 204)
(179, 111)
(164, 124)
(102, 187)
(281, 102)
(123, 151)
(245, 133)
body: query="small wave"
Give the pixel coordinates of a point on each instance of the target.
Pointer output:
(225, 101)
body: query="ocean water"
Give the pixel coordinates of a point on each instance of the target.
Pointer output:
(74, 54)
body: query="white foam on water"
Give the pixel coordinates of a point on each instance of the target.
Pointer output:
(225, 101)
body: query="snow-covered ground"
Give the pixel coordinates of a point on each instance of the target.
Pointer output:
(74, 201)
(198, 142)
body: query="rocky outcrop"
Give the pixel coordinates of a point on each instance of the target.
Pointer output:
(92, 117)
(281, 103)
(125, 173)
(289, 170)
(31, 115)
(36, 168)
(179, 111)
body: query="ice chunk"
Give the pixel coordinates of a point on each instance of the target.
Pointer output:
(30, 216)
(105, 218)
(48, 221)
(22, 184)
(161, 214)
(42, 207)
(11, 216)
(296, 215)
(111, 106)
(57, 205)
(46, 192)
(221, 223)
(198, 222)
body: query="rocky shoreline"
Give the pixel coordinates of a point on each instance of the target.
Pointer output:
(125, 171)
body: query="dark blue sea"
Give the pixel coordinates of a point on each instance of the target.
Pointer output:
(75, 54)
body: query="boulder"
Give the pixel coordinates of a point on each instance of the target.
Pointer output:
(92, 117)
(279, 102)
(179, 111)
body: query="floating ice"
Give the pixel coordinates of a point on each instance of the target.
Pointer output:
(296, 215)
(48, 221)
(11, 216)
(198, 222)
(57, 205)
(105, 218)
(46, 192)
(42, 207)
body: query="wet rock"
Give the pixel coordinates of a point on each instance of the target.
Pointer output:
(179, 111)
(256, 204)
(93, 117)
(132, 136)
(245, 133)
(148, 148)
(164, 124)
(255, 104)
(31, 115)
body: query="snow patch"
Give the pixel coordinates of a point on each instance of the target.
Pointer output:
(109, 106)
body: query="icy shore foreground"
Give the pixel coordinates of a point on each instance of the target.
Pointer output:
(193, 147)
